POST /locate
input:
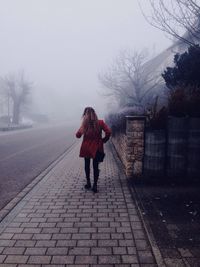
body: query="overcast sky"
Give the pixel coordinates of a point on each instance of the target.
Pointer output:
(62, 45)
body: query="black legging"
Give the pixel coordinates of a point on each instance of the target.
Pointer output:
(95, 168)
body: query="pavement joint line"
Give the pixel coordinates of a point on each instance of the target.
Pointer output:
(155, 249)
(19, 202)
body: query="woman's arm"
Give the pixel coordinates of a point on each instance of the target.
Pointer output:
(107, 131)
(79, 133)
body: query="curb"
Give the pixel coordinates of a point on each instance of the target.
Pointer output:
(7, 209)
(14, 128)
(155, 249)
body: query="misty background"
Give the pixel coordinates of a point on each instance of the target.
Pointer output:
(62, 45)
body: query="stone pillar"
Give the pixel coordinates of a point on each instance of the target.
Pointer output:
(135, 127)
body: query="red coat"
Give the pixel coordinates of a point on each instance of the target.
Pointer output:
(93, 142)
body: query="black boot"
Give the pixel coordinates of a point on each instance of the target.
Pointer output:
(88, 185)
(94, 188)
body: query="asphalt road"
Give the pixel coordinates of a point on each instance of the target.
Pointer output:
(24, 154)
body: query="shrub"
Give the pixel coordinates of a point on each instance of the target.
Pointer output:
(183, 82)
(156, 116)
(117, 120)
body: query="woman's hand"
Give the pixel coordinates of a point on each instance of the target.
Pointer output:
(105, 139)
(79, 133)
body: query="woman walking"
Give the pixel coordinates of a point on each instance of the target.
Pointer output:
(92, 145)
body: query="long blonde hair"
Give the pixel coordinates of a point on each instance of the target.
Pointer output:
(90, 121)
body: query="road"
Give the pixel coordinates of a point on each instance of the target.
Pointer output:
(24, 154)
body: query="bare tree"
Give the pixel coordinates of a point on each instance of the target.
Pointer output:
(16, 89)
(128, 80)
(180, 19)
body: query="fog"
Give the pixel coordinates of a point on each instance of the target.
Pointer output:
(62, 45)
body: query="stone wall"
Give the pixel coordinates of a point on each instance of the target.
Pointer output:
(130, 146)
(119, 142)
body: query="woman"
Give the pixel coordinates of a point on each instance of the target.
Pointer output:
(92, 145)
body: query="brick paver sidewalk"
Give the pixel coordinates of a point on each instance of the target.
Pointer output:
(59, 223)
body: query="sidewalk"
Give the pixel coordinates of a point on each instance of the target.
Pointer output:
(59, 223)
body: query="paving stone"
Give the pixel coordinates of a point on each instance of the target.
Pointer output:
(16, 259)
(57, 251)
(30, 224)
(119, 250)
(13, 230)
(128, 236)
(101, 251)
(88, 219)
(21, 220)
(28, 265)
(80, 236)
(114, 259)
(25, 243)
(146, 257)
(115, 224)
(86, 260)
(7, 243)
(136, 226)
(101, 236)
(47, 224)
(22, 236)
(50, 230)
(149, 265)
(117, 236)
(42, 236)
(32, 215)
(51, 215)
(129, 259)
(66, 243)
(54, 220)
(9, 265)
(88, 230)
(106, 230)
(102, 219)
(132, 250)
(39, 259)
(79, 251)
(6, 236)
(126, 242)
(142, 244)
(14, 224)
(14, 251)
(62, 260)
(32, 230)
(2, 258)
(139, 234)
(45, 243)
(35, 251)
(65, 224)
(87, 243)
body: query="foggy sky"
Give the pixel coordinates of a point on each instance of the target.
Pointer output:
(62, 45)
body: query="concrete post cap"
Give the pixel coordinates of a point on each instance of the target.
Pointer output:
(135, 117)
